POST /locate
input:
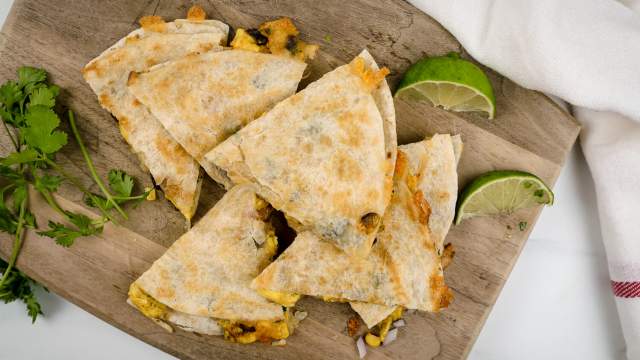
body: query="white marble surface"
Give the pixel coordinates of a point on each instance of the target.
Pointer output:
(556, 303)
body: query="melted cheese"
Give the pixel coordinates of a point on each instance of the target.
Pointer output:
(244, 41)
(371, 78)
(282, 39)
(262, 330)
(282, 298)
(147, 305)
(383, 327)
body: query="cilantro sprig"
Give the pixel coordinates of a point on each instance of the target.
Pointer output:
(33, 126)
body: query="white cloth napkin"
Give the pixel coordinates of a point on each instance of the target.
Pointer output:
(586, 52)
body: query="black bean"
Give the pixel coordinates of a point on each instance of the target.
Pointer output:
(257, 36)
(292, 43)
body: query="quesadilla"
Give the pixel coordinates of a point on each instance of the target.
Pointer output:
(436, 160)
(404, 266)
(156, 42)
(201, 283)
(324, 156)
(204, 98)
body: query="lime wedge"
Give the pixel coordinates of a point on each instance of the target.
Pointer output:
(449, 82)
(501, 192)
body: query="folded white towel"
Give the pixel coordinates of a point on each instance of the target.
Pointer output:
(586, 52)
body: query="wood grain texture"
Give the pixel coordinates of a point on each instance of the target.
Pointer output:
(529, 133)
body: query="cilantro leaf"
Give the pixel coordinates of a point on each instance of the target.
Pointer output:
(7, 221)
(18, 286)
(29, 76)
(83, 222)
(24, 156)
(10, 94)
(97, 201)
(30, 219)
(41, 132)
(43, 95)
(33, 306)
(9, 173)
(120, 183)
(63, 235)
(47, 183)
(19, 194)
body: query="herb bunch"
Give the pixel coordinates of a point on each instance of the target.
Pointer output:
(32, 125)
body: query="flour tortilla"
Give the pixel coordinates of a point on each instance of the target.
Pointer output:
(206, 273)
(403, 268)
(440, 188)
(203, 99)
(324, 157)
(171, 167)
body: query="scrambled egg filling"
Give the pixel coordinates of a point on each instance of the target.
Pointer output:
(333, 299)
(262, 330)
(371, 77)
(376, 336)
(282, 298)
(147, 305)
(278, 37)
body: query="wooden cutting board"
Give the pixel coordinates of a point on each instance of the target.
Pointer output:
(529, 133)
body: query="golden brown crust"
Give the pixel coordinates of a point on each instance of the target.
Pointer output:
(196, 13)
(447, 255)
(353, 325)
(153, 23)
(371, 77)
(442, 294)
(424, 210)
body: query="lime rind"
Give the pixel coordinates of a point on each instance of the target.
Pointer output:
(488, 194)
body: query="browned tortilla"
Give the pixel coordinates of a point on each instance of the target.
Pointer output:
(156, 42)
(404, 266)
(324, 156)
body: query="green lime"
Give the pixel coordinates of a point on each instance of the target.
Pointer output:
(450, 82)
(501, 192)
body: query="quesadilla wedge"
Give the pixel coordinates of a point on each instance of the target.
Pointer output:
(404, 266)
(203, 99)
(156, 42)
(324, 156)
(436, 160)
(201, 283)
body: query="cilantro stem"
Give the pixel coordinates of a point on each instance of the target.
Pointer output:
(105, 212)
(65, 174)
(92, 169)
(13, 140)
(52, 202)
(17, 243)
(137, 197)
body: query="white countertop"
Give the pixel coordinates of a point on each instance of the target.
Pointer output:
(556, 304)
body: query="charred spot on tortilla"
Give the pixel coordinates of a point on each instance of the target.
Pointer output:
(369, 222)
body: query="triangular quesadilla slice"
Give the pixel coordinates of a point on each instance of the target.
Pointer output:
(404, 266)
(324, 156)
(201, 283)
(439, 184)
(156, 42)
(202, 100)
